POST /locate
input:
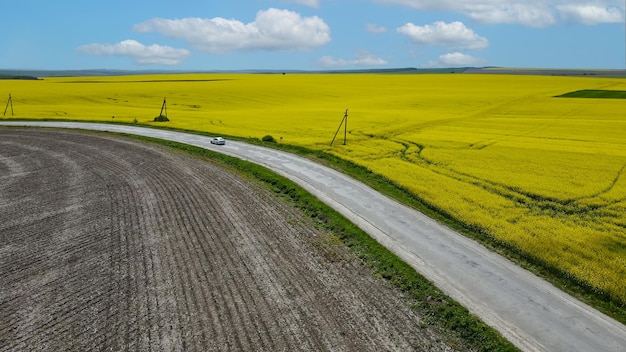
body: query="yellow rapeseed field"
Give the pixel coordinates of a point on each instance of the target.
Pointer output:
(501, 153)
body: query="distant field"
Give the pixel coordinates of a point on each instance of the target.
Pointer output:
(596, 93)
(544, 175)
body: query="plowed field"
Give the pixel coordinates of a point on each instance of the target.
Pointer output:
(107, 243)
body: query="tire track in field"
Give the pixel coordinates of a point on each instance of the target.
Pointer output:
(55, 249)
(178, 225)
(156, 251)
(234, 312)
(137, 264)
(188, 224)
(294, 279)
(186, 260)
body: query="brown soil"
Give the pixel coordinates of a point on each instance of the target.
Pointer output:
(107, 243)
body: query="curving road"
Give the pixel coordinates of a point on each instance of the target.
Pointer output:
(527, 310)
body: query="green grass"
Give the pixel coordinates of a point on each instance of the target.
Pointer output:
(596, 94)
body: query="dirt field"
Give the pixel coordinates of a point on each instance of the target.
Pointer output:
(111, 244)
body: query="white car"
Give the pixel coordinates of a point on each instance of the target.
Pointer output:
(218, 140)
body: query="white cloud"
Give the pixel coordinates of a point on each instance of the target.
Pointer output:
(272, 29)
(310, 3)
(452, 35)
(457, 59)
(591, 14)
(141, 54)
(374, 28)
(361, 59)
(532, 13)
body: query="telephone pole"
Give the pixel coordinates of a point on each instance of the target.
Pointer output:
(162, 117)
(344, 122)
(9, 102)
(164, 107)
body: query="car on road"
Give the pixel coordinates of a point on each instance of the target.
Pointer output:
(218, 140)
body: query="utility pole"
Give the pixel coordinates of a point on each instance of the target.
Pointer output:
(9, 102)
(164, 106)
(344, 122)
(162, 117)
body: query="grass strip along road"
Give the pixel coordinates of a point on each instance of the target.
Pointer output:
(525, 309)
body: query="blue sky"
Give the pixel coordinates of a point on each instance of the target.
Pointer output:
(311, 34)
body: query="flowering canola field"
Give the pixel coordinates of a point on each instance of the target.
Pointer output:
(501, 153)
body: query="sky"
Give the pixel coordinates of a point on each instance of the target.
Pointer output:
(208, 35)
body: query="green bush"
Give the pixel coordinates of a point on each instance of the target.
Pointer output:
(268, 138)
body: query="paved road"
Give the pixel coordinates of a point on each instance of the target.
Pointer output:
(527, 310)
